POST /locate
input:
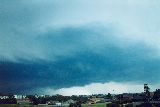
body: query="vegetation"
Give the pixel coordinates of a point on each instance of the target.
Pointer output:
(94, 105)
(9, 100)
(83, 105)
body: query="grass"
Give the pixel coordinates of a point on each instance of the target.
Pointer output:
(8, 105)
(15, 105)
(94, 105)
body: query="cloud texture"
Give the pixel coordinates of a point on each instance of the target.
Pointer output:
(77, 42)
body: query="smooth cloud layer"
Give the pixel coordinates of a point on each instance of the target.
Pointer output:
(23, 22)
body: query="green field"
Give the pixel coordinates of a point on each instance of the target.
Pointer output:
(8, 105)
(94, 105)
(15, 105)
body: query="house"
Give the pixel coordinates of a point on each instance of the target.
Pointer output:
(97, 100)
(90, 102)
(54, 103)
(20, 96)
(4, 96)
(25, 101)
(69, 101)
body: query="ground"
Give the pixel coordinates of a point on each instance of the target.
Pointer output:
(83, 105)
(95, 105)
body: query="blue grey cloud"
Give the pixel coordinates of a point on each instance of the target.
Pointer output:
(62, 44)
(81, 59)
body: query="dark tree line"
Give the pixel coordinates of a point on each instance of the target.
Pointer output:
(60, 98)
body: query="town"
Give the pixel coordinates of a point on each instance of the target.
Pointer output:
(143, 99)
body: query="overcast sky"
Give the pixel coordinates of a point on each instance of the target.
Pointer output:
(57, 46)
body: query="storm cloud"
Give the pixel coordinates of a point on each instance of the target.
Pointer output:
(70, 43)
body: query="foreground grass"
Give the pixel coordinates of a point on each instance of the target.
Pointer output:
(8, 105)
(14, 105)
(94, 105)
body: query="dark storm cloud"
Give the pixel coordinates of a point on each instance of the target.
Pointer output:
(88, 61)
(78, 70)
(62, 44)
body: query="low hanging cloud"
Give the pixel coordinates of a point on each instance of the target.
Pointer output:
(113, 64)
(99, 88)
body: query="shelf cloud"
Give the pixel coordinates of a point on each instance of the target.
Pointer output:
(76, 43)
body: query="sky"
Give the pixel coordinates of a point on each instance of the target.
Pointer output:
(79, 47)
